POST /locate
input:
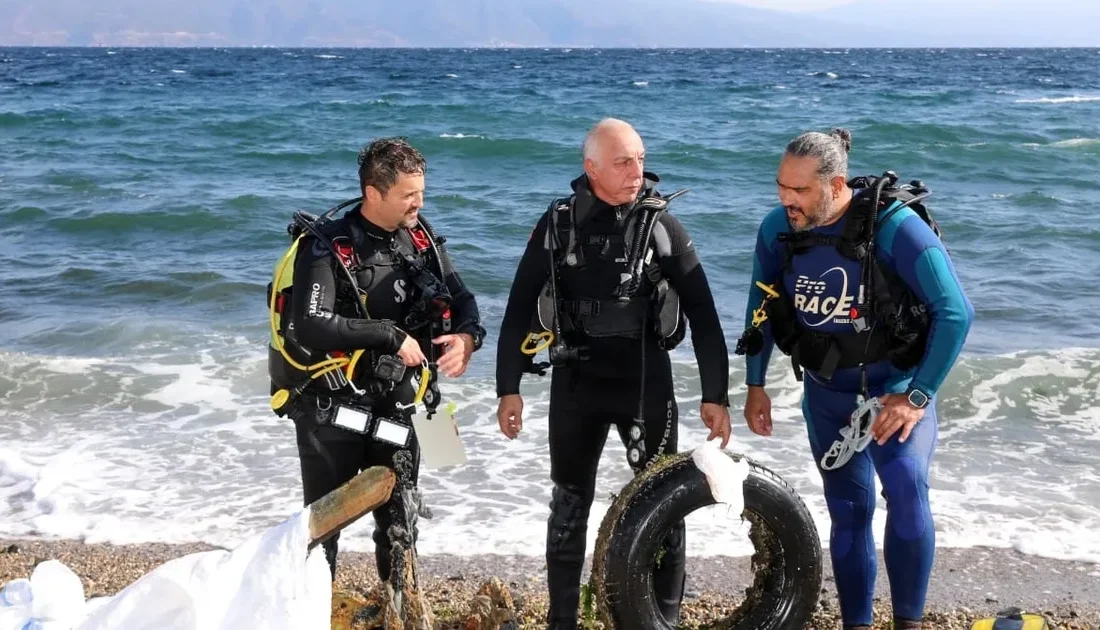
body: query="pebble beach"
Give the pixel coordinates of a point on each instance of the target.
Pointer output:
(967, 584)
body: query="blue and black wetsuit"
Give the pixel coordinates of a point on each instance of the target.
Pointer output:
(823, 285)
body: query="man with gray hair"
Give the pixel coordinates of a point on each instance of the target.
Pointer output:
(850, 279)
(605, 281)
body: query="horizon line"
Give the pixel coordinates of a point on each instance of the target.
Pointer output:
(548, 47)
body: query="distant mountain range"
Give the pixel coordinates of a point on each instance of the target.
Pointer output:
(541, 23)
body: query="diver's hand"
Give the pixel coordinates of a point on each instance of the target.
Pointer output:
(717, 419)
(510, 415)
(457, 355)
(410, 352)
(896, 414)
(758, 411)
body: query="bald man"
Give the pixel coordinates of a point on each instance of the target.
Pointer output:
(625, 278)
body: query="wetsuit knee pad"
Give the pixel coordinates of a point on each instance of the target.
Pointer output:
(848, 517)
(848, 513)
(568, 523)
(905, 486)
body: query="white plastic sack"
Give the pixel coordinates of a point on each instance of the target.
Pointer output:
(266, 582)
(725, 477)
(62, 607)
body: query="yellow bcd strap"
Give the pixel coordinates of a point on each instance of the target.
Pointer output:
(276, 339)
(316, 370)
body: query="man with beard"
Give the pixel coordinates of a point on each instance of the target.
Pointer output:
(376, 284)
(851, 280)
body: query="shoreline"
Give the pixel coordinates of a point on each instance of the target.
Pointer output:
(967, 583)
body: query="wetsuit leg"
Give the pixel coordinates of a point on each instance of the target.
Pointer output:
(661, 421)
(850, 497)
(910, 538)
(909, 546)
(577, 433)
(398, 517)
(329, 457)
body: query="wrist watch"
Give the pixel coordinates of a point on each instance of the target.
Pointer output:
(917, 398)
(478, 336)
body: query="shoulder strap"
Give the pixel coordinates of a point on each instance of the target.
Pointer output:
(634, 223)
(561, 233)
(855, 241)
(660, 246)
(407, 245)
(794, 243)
(429, 231)
(660, 242)
(418, 238)
(345, 226)
(333, 237)
(424, 239)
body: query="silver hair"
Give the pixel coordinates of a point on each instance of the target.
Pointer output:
(829, 149)
(588, 149)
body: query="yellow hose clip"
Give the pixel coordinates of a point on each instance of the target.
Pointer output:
(760, 315)
(425, 377)
(542, 341)
(769, 289)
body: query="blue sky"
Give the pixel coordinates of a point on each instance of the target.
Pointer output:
(794, 5)
(1067, 7)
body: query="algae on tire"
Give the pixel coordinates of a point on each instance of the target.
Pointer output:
(786, 562)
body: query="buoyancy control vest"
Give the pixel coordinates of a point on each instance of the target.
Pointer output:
(575, 306)
(353, 372)
(1012, 619)
(888, 320)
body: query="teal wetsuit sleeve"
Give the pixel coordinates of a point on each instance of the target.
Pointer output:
(914, 252)
(765, 269)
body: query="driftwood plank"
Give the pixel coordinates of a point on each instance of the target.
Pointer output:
(336, 510)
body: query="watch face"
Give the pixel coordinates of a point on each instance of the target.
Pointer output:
(917, 398)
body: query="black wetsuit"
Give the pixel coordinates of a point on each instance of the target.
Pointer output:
(325, 319)
(589, 396)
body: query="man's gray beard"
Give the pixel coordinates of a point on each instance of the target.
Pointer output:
(823, 215)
